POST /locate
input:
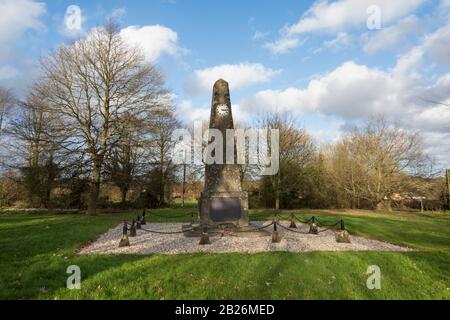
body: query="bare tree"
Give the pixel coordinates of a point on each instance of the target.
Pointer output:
(160, 147)
(127, 156)
(32, 132)
(370, 162)
(296, 150)
(90, 84)
(7, 99)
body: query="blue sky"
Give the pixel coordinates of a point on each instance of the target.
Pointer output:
(318, 60)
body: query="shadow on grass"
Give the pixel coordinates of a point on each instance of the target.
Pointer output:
(262, 276)
(36, 251)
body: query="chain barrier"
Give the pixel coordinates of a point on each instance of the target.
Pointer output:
(305, 222)
(189, 215)
(327, 225)
(291, 230)
(330, 227)
(273, 223)
(161, 232)
(256, 229)
(192, 229)
(314, 220)
(319, 223)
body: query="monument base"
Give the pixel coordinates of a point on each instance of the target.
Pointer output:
(224, 208)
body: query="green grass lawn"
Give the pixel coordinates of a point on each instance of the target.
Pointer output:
(36, 249)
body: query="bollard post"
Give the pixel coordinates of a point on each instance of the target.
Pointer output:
(143, 220)
(133, 229)
(205, 237)
(293, 224)
(125, 228)
(138, 223)
(275, 234)
(313, 227)
(124, 242)
(192, 218)
(342, 236)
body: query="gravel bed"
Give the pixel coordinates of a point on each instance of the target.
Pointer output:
(150, 243)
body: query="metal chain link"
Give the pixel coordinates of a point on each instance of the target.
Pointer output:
(301, 221)
(304, 234)
(330, 227)
(256, 229)
(161, 232)
(326, 225)
(320, 224)
(169, 216)
(290, 230)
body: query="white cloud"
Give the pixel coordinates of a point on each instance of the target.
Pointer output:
(238, 76)
(344, 15)
(16, 16)
(155, 40)
(118, 13)
(240, 116)
(190, 114)
(8, 73)
(332, 17)
(389, 37)
(445, 3)
(355, 92)
(341, 41)
(433, 118)
(283, 45)
(350, 91)
(409, 63)
(288, 100)
(436, 146)
(330, 133)
(437, 44)
(440, 90)
(260, 35)
(73, 22)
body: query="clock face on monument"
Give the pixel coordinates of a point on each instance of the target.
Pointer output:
(222, 110)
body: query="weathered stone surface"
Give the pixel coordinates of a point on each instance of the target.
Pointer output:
(124, 242)
(205, 238)
(314, 229)
(125, 228)
(343, 236)
(293, 225)
(138, 223)
(276, 238)
(223, 201)
(133, 229)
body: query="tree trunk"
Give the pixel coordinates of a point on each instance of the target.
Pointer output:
(161, 189)
(277, 193)
(448, 188)
(124, 195)
(184, 185)
(389, 205)
(95, 189)
(46, 200)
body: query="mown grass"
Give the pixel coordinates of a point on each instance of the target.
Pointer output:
(36, 249)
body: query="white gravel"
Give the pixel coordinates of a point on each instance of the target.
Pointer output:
(150, 243)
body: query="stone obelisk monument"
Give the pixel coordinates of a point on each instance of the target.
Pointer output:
(223, 202)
